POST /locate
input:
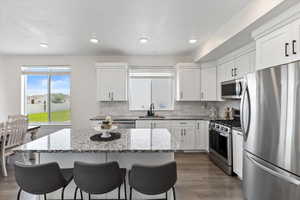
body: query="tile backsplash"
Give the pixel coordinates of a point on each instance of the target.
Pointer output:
(180, 108)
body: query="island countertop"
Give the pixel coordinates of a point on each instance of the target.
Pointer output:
(165, 117)
(132, 140)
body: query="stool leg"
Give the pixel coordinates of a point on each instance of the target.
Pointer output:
(81, 195)
(166, 195)
(119, 195)
(89, 196)
(174, 193)
(125, 192)
(75, 194)
(130, 193)
(62, 193)
(19, 194)
(45, 197)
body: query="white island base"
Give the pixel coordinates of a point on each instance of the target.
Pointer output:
(125, 160)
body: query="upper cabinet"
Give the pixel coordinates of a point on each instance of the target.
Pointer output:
(188, 82)
(112, 81)
(274, 48)
(278, 41)
(242, 66)
(209, 83)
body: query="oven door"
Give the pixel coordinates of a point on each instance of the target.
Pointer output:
(220, 145)
(232, 89)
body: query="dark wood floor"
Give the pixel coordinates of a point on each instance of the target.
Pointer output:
(198, 178)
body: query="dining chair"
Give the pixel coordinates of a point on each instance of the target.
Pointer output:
(99, 178)
(153, 180)
(13, 134)
(42, 179)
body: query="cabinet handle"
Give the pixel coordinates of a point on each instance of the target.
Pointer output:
(235, 71)
(232, 75)
(198, 126)
(112, 96)
(294, 43)
(202, 95)
(181, 95)
(109, 96)
(286, 49)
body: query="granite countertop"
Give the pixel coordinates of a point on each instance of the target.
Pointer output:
(175, 117)
(132, 140)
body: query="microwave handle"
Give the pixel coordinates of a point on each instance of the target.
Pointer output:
(238, 88)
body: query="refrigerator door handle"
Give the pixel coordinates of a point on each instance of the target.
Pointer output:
(245, 127)
(274, 173)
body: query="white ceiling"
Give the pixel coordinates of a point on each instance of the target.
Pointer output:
(67, 25)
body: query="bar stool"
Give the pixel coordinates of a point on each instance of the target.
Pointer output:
(42, 179)
(99, 178)
(153, 180)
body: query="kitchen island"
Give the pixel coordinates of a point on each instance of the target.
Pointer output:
(135, 146)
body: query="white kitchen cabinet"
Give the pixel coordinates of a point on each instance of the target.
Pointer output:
(274, 48)
(111, 81)
(201, 135)
(242, 66)
(209, 84)
(295, 42)
(252, 56)
(237, 144)
(228, 70)
(188, 83)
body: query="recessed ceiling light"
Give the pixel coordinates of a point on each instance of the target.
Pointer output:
(144, 40)
(192, 41)
(94, 40)
(44, 45)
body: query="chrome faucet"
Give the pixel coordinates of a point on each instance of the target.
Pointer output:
(151, 111)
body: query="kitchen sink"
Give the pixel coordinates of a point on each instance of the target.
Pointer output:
(151, 117)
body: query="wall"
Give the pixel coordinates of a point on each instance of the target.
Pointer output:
(83, 80)
(2, 103)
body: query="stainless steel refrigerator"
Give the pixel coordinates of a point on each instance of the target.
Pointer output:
(270, 118)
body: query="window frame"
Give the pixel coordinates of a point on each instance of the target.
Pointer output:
(61, 70)
(173, 90)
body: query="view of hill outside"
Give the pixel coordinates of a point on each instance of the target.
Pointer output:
(38, 92)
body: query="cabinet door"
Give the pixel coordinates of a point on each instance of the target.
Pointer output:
(296, 41)
(189, 84)
(228, 69)
(220, 79)
(252, 56)
(112, 84)
(200, 139)
(209, 84)
(119, 85)
(242, 66)
(143, 124)
(180, 142)
(274, 48)
(237, 144)
(189, 138)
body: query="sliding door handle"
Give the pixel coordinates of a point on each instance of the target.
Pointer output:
(294, 47)
(286, 50)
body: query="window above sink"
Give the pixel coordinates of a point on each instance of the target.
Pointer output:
(151, 85)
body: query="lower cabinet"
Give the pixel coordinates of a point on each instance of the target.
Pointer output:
(193, 135)
(202, 135)
(237, 144)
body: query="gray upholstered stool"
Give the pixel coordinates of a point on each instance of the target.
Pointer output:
(99, 178)
(42, 179)
(153, 180)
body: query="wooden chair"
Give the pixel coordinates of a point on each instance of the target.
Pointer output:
(12, 135)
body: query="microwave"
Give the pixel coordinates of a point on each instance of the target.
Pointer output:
(232, 89)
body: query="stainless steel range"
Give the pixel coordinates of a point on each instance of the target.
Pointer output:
(220, 142)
